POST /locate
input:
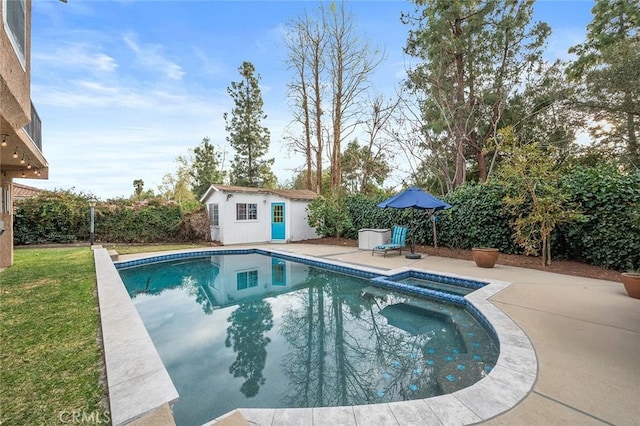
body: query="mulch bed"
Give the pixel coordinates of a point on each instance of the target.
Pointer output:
(559, 266)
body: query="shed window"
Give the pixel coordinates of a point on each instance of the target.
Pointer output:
(247, 279)
(214, 217)
(246, 211)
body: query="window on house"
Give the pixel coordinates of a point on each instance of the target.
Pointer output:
(15, 23)
(247, 279)
(246, 211)
(214, 217)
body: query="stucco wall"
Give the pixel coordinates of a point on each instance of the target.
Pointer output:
(6, 239)
(15, 88)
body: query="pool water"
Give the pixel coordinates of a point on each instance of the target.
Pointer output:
(249, 330)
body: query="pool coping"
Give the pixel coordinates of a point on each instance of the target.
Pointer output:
(510, 381)
(137, 381)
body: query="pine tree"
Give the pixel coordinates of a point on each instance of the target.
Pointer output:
(246, 134)
(205, 169)
(607, 75)
(471, 57)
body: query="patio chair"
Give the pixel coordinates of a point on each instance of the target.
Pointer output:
(398, 241)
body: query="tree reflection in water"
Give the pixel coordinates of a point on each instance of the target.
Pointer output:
(343, 352)
(247, 325)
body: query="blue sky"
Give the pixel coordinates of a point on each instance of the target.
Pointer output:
(124, 87)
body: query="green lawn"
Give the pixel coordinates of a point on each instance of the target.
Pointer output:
(134, 249)
(50, 353)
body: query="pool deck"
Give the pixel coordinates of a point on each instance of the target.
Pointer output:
(585, 332)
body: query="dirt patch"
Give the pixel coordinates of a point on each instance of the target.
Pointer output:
(558, 266)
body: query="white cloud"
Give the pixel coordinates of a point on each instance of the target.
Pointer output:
(150, 56)
(76, 56)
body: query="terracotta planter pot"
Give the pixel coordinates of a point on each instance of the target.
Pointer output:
(631, 283)
(485, 257)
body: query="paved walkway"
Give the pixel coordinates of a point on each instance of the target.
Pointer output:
(586, 333)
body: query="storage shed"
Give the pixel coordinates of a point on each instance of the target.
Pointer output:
(241, 215)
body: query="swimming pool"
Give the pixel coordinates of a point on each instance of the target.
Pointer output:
(243, 329)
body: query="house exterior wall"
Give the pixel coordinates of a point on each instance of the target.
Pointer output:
(15, 81)
(15, 112)
(6, 219)
(299, 228)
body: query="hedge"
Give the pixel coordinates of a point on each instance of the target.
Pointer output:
(63, 217)
(608, 236)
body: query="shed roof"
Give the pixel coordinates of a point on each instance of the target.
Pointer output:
(291, 194)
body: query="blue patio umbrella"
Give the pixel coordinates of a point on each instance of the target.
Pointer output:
(415, 198)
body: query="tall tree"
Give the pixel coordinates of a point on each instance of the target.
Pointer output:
(351, 61)
(332, 64)
(138, 186)
(379, 146)
(607, 74)
(177, 188)
(473, 55)
(205, 168)
(305, 43)
(540, 113)
(362, 171)
(246, 134)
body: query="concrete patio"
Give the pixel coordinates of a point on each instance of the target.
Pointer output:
(585, 332)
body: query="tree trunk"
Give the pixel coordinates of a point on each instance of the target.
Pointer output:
(459, 125)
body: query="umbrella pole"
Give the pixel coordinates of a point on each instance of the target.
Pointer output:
(435, 235)
(413, 254)
(413, 231)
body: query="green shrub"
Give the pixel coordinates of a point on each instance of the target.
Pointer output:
(51, 217)
(63, 217)
(477, 218)
(610, 234)
(137, 222)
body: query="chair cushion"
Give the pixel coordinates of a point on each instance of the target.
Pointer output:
(387, 246)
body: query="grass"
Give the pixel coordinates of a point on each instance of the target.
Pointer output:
(134, 249)
(50, 355)
(50, 352)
